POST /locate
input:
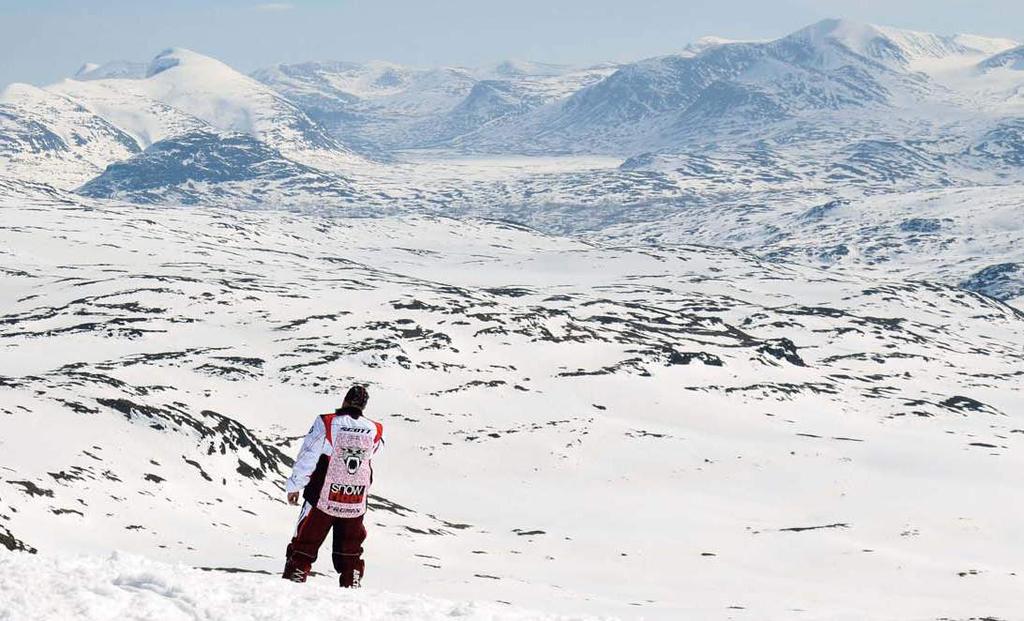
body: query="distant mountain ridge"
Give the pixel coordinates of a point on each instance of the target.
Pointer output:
(393, 106)
(118, 69)
(1012, 59)
(831, 66)
(839, 110)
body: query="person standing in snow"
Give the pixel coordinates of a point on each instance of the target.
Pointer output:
(332, 475)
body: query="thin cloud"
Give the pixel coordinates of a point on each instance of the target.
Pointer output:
(275, 6)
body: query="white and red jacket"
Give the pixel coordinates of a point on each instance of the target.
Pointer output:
(315, 456)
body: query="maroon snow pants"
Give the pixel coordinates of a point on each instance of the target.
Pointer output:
(314, 524)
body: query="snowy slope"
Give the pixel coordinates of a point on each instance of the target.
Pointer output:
(130, 108)
(997, 83)
(131, 588)
(50, 138)
(728, 425)
(1010, 58)
(947, 235)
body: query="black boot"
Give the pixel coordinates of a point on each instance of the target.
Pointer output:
(352, 575)
(295, 574)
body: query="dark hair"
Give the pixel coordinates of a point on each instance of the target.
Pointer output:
(357, 397)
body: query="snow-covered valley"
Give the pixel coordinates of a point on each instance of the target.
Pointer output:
(734, 333)
(574, 427)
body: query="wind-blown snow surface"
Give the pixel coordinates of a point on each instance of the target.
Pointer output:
(129, 588)
(664, 432)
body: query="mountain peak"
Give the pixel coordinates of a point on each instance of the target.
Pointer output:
(853, 34)
(86, 68)
(167, 59)
(180, 56)
(515, 68)
(115, 69)
(986, 45)
(905, 48)
(705, 43)
(841, 26)
(19, 90)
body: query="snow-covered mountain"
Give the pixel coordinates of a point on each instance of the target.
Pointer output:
(326, 86)
(503, 100)
(835, 70)
(374, 104)
(1009, 59)
(847, 110)
(389, 106)
(51, 138)
(237, 168)
(230, 101)
(904, 48)
(837, 104)
(182, 91)
(653, 340)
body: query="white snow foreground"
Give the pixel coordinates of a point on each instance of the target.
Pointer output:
(129, 587)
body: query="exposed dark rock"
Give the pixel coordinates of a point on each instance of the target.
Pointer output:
(32, 489)
(685, 358)
(12, 543)
(800, 529)
(1004, 281)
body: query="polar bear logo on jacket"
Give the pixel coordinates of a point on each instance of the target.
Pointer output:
(353, 457)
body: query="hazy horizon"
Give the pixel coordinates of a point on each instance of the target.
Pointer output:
(42, 42)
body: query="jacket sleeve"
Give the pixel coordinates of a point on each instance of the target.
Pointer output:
(312, 448)
(378, 440)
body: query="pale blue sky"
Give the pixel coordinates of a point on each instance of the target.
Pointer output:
(44, 40)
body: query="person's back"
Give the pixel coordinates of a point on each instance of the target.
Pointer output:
(333, 473)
